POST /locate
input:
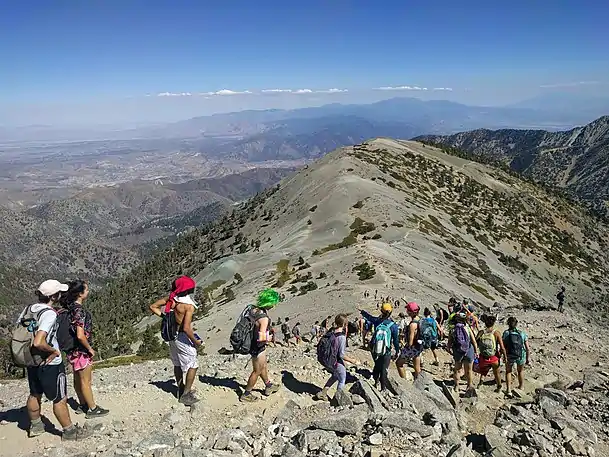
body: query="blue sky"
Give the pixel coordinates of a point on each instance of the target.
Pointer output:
(69, 55)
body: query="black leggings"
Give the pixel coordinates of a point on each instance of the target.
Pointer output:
(381, 366)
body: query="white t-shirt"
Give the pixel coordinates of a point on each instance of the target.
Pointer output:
(47, 323)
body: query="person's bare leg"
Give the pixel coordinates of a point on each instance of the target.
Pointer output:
(85, 377)
(62, 413)
(457, 375)
(258, 365)
(177, 372)
(399, 364)
(435, 356)
(33, 407)
(469, 375)
(191, 374)
(417, 366)
(78, 389)
(520, 369)
(497, 376)
(508, 378)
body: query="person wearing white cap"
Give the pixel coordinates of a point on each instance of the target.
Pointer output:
(49, 378)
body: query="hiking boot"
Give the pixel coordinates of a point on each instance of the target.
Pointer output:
(248, 397)
(76, 433)
(188, 399)
(36, 429)
(470, 393)
(322, 395)
(509, 394)
(98, 411)
(271, 389)
(498, 388)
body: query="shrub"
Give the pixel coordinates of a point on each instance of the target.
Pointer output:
(313, 208)
(308, 287)
(364, 271)
(358, 205)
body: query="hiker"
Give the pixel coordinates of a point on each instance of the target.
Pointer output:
(184, 343)
(517, 351)
(285, 330)
(258, 313)
(331, 354)
(413, 347)
(385, 335)
(442, 314)
(46, 374)
(272, 333)
(472, 319)
(464, 348)
(365, 328)
(561, 299)
(81, 354)
(296, 333)
(316, 331)
(430, 332)
(491, 347)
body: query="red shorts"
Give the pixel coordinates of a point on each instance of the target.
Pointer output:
(485, 365)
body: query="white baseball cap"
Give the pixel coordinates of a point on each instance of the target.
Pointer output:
(51, 286)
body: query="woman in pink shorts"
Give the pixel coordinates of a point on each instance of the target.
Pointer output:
(81, 356)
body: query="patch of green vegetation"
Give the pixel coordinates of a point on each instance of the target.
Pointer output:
(283, 270)
(376, 236)
(123, 360)
(482, 291)
(361, 227)
(513, 262)
(308, 287)
(364, 271)
(313, 208)
(359, 205)
(210, 289)
(397, 224)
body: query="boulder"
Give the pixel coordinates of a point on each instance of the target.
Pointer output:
(553, 394)
(288, 412)
(575, 447)
(224, 439)
(374, 401)
(313, 440)
(342, 398)
(407, 423)
(349, 422)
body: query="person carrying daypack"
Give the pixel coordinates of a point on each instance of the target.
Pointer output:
(176, 312)
(257, 315)
(518, 352)
(285, 330)
(491, 347)
(331, 355)
(561, 299)
(413, 345)
(34, 346)
(384, 337)
(464, 348)
(429, 332)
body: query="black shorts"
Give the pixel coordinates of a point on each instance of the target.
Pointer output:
(257, 349)
(48, 380)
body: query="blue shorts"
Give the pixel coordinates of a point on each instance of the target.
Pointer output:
(467, 357)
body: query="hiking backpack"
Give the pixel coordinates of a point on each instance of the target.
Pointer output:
(514, 344)
(487, 344)
(66, 337)
(460, 338)
(285, 328)
(242, 336)
(22, 351)
(381, 343)
(327, 350)
(428, 330)
(169, 324)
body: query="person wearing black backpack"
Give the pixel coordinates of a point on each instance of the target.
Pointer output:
(259, 337)
(176, 312)
(80, 353)
(518, 353)
(331, 354)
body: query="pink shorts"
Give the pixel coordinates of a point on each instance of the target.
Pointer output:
(80, 361)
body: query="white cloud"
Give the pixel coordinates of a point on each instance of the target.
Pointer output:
(174, 94)
(303, 91)
(332, 91)
(571, 84)
(449, 89)
(400, 88)
(276, 91)
(228, 92)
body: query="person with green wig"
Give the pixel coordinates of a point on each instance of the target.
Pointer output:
(267, 299)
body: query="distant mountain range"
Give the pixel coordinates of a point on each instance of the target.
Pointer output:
(576, 160)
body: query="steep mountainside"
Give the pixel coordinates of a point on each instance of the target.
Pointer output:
(576, 161)
(399, 217)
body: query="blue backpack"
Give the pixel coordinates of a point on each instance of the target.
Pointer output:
(381, 343)
(428, 330)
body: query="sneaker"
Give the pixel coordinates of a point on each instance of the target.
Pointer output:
(271, 389)
(498, 389)
(81, 409)
(248, 397)
(36, 429)
(188, 399)
(98, 411)
(322, 395)
(76, 433)
(509, 394)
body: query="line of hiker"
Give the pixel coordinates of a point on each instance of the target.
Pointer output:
(57, 323)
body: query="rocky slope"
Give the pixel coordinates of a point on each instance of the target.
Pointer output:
(562, 411)
(576, 161)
